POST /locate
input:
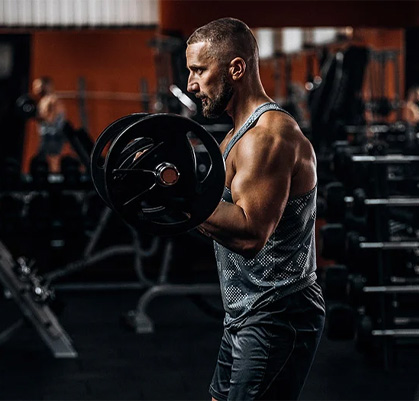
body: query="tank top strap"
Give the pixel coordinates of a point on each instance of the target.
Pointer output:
(251, 121)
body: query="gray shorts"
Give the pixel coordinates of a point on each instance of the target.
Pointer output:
(270, 355)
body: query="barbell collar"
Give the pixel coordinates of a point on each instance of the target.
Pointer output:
(167, 174)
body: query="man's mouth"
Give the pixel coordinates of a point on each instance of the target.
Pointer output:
(202, 98)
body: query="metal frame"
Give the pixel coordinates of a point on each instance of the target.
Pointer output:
(39, 314)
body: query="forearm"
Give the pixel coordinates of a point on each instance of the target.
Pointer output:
(230, 227)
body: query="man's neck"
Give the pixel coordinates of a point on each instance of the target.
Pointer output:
(243, 105)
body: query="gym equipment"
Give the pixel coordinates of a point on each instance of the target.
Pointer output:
(10, 174)
(338, 205)
(26, 107)
(332, 242)
(354, 165)
(335, 242)
(39, 171)
(355, 242)
(363, 334)
(379, 103)
(32, 295)
(340, 322)
(335, 101)
(357, 288)
(70, 170)
(142, 323)
(81, 142)
(335, 200)
(150, 175)
(386, 159)
(10, 215)
(356, 283)
(366, 330)
(335, 283)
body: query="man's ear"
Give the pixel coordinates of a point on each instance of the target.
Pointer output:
(237, 68)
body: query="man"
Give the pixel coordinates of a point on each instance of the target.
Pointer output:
(51, 121)
(411, 107)
(264, 227)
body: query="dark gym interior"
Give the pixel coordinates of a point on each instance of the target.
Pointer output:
(98, 306)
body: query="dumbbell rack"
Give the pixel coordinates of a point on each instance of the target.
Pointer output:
(387, 328)
(39, 314)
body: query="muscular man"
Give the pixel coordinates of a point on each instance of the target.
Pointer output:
(264, 227)
(411, 108)
(51, 120)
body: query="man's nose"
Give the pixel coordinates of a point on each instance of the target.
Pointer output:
(193, 86)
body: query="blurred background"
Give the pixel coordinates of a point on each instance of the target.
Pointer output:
(93, 309)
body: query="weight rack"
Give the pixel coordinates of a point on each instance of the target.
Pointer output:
(387, 326)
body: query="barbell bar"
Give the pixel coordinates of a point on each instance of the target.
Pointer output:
(386, 159)
(396, 333)
(392, 289)
(393, 201)
(390, 245)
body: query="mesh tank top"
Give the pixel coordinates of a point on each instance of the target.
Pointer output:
(287, 262)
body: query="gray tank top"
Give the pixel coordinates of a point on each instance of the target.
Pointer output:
(287, 262)
(52, 136)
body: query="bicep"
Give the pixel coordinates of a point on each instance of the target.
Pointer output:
(262, 182)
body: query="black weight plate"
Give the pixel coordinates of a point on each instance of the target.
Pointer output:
(104, 140)
(26, 107)
(159, 209)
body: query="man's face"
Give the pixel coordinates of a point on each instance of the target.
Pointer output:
(40, 88)
(37, 87)
(208, 80)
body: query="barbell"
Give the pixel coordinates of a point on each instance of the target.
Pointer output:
(162, 173)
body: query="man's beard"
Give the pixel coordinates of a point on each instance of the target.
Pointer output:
(213, 108)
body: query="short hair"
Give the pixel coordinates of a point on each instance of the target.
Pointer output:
(229, 38)
(412, 91)
(45, 80)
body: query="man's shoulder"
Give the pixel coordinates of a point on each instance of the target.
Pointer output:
(269, 140)
(280, 133)
(276, 126)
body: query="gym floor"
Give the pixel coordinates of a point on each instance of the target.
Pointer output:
(173, 363)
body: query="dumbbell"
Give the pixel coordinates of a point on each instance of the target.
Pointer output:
(26, 107)
(340, 324)
(356, 242)
(356, 284)
(364, 341)
(337, 201)
(332, 242)
(367, 330)
(336, 283)
(350, 210)
(335, 243)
